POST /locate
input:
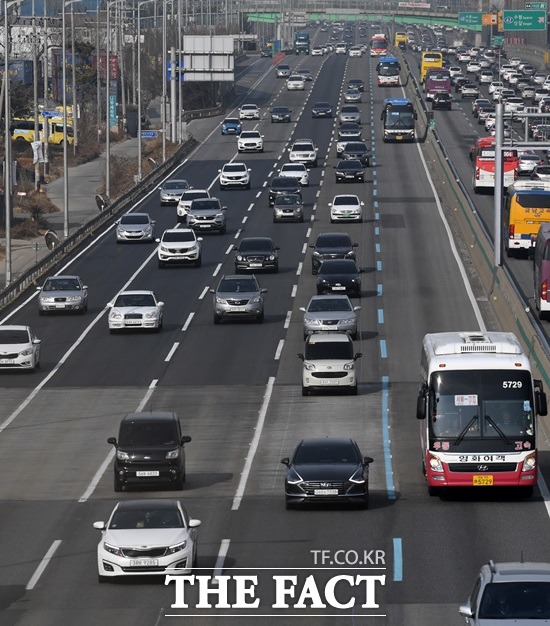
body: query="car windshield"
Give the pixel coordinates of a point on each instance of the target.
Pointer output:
(352, 164)
(255, 244)
(288, 200)
(328, 453)
(249, 134)
(176, 184)
(134, 219)
(146, 518)
(516, 600)
(192, 195)
(237, 167)
(354, 146)
(333, 241)
(543, 169)
(178, 235)
(297, 147)
(201, 205)
(329, 304)
(281, 183)
(232, 120)
(237, 285)
(345, 200)
(62, 284)
(322, 105)
(9, 335)
(338, 266)
(154, 433)
(135, 299)
(280, 110)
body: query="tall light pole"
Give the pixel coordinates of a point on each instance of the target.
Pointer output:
(140, 4)
(164, 64)
(7, 139)
(66, 3)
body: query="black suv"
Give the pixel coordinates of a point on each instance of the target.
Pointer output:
(256, 253)
(331, 246)
(283, 184)
(149, 450)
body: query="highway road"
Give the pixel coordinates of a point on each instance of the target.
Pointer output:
(237, 390)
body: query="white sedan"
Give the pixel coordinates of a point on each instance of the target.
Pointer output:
(19, 348)
(147, 537)
(135, 309)
(295, 82)
(250, 141)
(249, 112)
(296, 170)
(346, 208)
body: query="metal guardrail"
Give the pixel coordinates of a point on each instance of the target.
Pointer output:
(498, 281)
(120, 205)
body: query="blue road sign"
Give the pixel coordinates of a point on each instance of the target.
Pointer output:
(51, 113)
(149, 134)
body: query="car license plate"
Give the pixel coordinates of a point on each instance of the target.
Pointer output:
(236, 309)
(144, 562)
(255, 265)
(7, 361)
(325, 492)
(60, 306)
(204, 225)
(338, 288)
(132, 322)
(399, 137)
(329, 381)
(482, 481)
(147, 473)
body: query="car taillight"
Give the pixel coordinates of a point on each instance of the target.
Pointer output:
(477, 173)
(511, 231)
(544, 290)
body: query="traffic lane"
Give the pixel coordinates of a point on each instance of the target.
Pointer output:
(68, 591)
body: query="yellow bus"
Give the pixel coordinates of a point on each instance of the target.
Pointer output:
(23, 130)
(428, 61)
(400, 38)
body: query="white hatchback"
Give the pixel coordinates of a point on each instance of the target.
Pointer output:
(19, 348)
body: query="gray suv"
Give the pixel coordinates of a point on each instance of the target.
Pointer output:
(207, 214)
(238, 297)
(509, 593)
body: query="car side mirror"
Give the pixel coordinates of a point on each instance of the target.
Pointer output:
(367, 460)
(300, 356)
(160, 303)
(355, 245)
(303, 308)
(263, 290)
(157, 240)
(211, 291)
(199, 238)
(185, 439)
(286, 461)
(99, 525)
(465, 610)
(219, 171)
(357, 355)
(38, 288)
(194, 523)
(112, 441)
(110, 305)
(356, 308)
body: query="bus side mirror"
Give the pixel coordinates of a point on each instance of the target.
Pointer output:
(540, 399)
(421, 407)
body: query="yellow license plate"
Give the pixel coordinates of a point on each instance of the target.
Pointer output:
(482, 481)
(399, 137)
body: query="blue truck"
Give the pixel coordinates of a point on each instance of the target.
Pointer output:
(301, 43)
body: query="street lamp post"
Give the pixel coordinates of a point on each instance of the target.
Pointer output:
(140, 4)
(66, 3)
(7, 140)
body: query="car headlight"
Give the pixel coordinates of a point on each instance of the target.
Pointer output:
(309, 366)
(177, 547)
(357, 476)
(220, 300)
(191, 218)
(271, 257)
(163, 249)
(173, 454)
(530, 462)
(150, 315)
(349, 366)
(317, 254)
(148, 229)
(311, 320)
(255, 299)
(46, 299)
(219, 216)
(435, 463)
(122, 456)
(74, 298)
(240, 257)
(293, 477)
(113, 549)
(26, 352)
(350, 318)
(115, 315)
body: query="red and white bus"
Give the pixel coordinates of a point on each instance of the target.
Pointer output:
(478, 404)
(482, 156)
(378, 45)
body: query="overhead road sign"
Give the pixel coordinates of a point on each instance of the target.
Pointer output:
(524, 20)
(539, 6)
(488, 19)
(470, 19)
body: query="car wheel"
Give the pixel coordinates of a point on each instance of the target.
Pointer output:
(313, 271)
(117, 486)
(195, 557)
(353, 391)
(260, 318)
(101, 579)
(112, 331)
(217, 318)
(301, 218)
(354, 336)
(314, 164)
(526, 492)
(365, 501)
(41, 312)
(198, 262)
(276, 269)
(223, 230)
(161, 264)
(178, 484)
(306, 391)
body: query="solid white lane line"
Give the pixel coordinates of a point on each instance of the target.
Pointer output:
(253, 446)
(43, 564)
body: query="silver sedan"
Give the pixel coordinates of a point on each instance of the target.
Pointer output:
(63, 293)
(330, 313)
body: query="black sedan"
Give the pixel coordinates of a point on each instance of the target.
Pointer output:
(356, 83)
(280, 114)
(321, 109)
(283, 185)
(331, 246)
(442, 101)
(256, 253)
(327, 470)
(349, 171)
(357, 150)
(339, 276)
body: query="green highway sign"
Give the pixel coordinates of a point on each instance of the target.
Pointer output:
(540, 6)
(497, 40)
(524, 20)
(469, 19)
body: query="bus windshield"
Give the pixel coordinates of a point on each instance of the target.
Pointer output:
(399, 119)
(389, 68)
(470, 404)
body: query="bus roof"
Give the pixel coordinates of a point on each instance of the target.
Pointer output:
(388, 59)
(532, 186)
(396, 102)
